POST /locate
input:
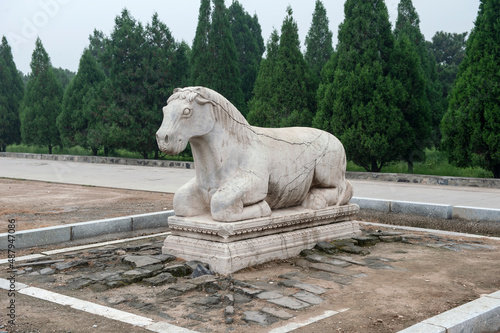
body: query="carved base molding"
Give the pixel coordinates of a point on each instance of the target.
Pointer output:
(229, 247)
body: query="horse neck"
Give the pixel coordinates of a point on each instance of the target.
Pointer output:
(212, 150)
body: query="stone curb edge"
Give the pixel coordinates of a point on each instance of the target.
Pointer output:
(429, 210)
(389, 177)
(480, 315)
(82, 230)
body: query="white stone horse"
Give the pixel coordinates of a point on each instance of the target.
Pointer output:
(242, 171)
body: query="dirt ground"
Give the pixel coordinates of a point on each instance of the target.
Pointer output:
(35, 204)
(423, 281)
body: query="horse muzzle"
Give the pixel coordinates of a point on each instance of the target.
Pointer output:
(169, 146)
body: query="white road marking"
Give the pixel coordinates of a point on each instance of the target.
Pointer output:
(96, 309)
(293, 326)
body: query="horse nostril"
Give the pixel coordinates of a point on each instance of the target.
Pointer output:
(166, 138)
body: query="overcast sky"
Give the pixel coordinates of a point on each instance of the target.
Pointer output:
(64, 25)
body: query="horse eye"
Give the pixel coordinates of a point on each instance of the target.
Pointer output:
(186, 112)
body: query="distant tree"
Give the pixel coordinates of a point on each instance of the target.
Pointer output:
(286, 95)
(64, 76)
(73, 121)
(25, 78)
(471, 126)
(263, 106)
(319, 43)
(359, 93)
(128, 50)
(180, 67)
(449, 51)
(11, 95)
(161, 77)
(248, 40)
(224, 70)
(409, 67)
(42, 102)
(147, 64)
(200, 56)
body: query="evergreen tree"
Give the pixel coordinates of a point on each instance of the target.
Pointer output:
(161, 78)
(360, 94)
(41, 103)
(64, 76)
(471, 126)
(263, 105)
(408, 23)
(73, 121)
(410, 52)
(224, 71)
(99, 48)
(180, 66)
(449, 51)
(200, 56)
(286, 95)
(319, 44)
(248, 40)
(129, 50)
(11, 94)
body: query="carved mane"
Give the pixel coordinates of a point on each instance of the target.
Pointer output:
(223, 111)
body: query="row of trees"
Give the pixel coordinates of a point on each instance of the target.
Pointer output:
(383, 92)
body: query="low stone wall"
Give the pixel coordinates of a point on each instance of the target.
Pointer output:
(425, 179)
(389, 177)
(102, 159)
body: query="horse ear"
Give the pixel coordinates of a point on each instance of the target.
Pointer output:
(176, 90)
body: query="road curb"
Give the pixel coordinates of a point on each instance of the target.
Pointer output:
(429, 210)
(83, 230)
(480, 315)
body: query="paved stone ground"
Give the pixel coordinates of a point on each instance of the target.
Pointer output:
(137, 278)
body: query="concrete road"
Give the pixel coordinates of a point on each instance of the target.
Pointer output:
(170, 179)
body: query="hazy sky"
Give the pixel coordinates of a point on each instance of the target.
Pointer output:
(64, 25)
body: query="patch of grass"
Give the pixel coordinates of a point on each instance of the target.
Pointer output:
(435, 164)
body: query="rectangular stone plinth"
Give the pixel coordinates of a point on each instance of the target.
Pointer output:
(281, 220)
(226, 258)
(229, 247)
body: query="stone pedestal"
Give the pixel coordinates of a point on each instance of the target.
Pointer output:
(230, 246)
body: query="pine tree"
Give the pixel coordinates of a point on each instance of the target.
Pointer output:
(286, 95)
(200, 56)
(248, 40)
(411, 55)
(160, 77)
(263, 111)
(360, 94)
(224, 70)
(73, 121)
(41, 103)
(471, 126)
(11, 94)
(319, 43)
(449, 50)
(128, 50)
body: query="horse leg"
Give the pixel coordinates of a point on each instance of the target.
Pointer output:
(240, 198)
(331, 188)
(189, 201)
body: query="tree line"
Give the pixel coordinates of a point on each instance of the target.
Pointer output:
(387, 94)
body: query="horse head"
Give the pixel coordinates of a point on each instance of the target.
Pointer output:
(187, 114)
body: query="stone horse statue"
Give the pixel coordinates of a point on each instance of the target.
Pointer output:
(242, 171)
